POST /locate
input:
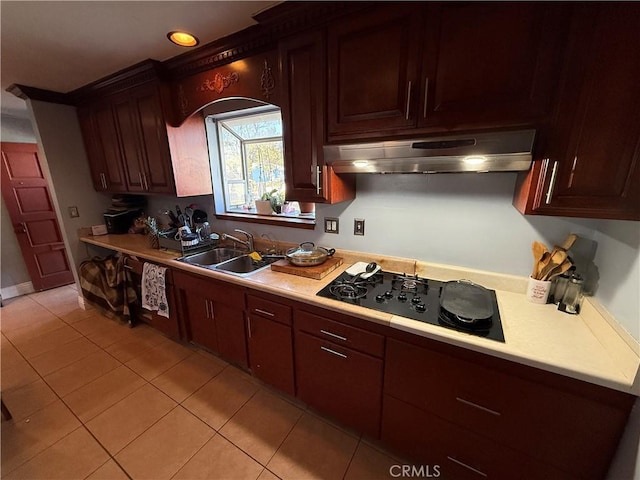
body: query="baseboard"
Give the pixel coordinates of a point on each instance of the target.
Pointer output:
(17, 290)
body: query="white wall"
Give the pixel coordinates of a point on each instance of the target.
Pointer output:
(13, 269)
(465, 220)
(65, 163)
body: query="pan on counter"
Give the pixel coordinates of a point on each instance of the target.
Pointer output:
(308, 255)
(466, 302)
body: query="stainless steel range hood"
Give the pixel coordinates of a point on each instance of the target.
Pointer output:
(481, 152)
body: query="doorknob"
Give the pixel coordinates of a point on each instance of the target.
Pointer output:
(21, 228)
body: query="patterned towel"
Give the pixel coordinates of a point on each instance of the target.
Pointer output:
(154, 294)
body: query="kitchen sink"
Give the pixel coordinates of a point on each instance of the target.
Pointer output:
(245, 265)
(212, 257)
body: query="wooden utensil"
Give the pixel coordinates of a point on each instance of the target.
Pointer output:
(568, 243)
(538, 249)
(557, 258)
(560, 269)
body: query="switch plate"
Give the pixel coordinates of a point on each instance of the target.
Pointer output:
(331, 225)
(73, 212)
(358, 226)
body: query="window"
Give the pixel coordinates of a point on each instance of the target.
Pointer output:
(250, 160)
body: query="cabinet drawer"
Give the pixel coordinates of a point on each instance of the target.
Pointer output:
(553, 425)
(137, 266)
(458, 453)
(268, 309)
(340, 382)
(339, 333)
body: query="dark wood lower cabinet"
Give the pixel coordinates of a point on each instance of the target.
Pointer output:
(213, 314)
(270, 342)
(339, 381)
(455, 453)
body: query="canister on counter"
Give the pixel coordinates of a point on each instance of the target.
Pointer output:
(573, 294)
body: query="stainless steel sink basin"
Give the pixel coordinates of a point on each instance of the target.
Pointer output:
(245, 265)
(212, 257)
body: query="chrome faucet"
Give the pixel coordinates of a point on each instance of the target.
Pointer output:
(247, 243)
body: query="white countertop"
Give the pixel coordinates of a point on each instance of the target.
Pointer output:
(587, 347)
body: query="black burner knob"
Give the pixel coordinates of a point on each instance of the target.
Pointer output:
(402, 297)
(416, 300)
(421, 307)
(388, 294)
(379, 298)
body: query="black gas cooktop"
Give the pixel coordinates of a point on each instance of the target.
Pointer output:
(411, 297)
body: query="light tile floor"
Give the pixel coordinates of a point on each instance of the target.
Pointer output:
(92, 398)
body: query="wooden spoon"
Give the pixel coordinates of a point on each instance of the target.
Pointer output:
(557, 258)
(539, 250)
(560, 269)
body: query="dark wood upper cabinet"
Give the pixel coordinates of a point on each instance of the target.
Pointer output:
(132, 148)
(411, 68)
(302, 63)
(103, 151)
(489, 64)
(588, 165)
(373, 61)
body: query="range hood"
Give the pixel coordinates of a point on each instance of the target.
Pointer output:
(480, 152)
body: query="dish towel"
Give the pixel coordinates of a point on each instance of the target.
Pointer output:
(154, 293)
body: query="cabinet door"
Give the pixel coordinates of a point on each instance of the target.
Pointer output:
(489, 64)
(198, 312)
(125, 115)
(373, 70)
(340, 382)
(100, 135)
(231, 333)
(302, 62)
(154, 146)
(271, 352)
(592, 167)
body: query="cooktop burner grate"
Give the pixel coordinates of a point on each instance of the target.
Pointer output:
(409, 296)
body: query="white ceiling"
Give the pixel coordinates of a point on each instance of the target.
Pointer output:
(63, 45)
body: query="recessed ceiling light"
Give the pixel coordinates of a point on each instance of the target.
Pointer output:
(183, 39)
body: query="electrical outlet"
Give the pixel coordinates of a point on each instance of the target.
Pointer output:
(358, 226)
(331, 225)
(73, 212)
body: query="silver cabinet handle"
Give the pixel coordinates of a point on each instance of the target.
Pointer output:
(468, 467)
(339, 337)
(146, 184)
(426, 97)
(552, 182)
(264, 312)
(249, 325)
(328, 350)
(206, 304)
(406, 114)
(479, 407)
(213, 313)
(318, 183)
(141, 181)
(103, 181)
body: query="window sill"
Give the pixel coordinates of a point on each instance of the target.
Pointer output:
(306, 223)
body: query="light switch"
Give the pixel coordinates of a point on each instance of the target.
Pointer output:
(73, 212)
(331, 225)
(358, 226)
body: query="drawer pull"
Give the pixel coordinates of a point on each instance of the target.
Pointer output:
(339, 337)
(469, 467)
(406, 112)
(264, 312)
(479, 407)
(341, 355)
(128, 267)
(249, 325)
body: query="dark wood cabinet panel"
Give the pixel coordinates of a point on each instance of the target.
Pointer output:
(544, 423)
(341, 382)
(302, 62)
(125, 117)
(270, 342)
(489, 64)
(459, 454)
(100, 136)
(590, 163)
(373, 61)
(271, 352)
(213, 315)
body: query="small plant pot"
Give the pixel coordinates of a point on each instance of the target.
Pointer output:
(307, 207)
(263, 207)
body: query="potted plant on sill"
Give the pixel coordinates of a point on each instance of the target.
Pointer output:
(270, 202)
